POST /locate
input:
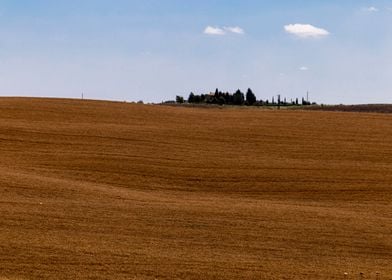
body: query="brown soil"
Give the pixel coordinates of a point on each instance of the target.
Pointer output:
(103, 190)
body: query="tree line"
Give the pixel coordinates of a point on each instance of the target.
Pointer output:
(238, 98)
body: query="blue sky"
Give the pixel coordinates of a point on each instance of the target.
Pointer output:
(152, 50)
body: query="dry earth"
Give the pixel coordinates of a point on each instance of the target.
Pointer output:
(104, 190)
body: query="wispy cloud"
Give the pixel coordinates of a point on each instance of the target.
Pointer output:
(215, 30)
(303, 68)
(235, 29)
(306, 30)
(371, 9)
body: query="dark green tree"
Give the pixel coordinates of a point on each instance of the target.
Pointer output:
(179, 99)
(238, 98)
(221, 100)
(191, 98)
(250, 97)
(228, 98)
(197, 99)
(216, 93)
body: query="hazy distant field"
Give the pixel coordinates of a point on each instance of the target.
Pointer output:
(100, 190)
(369, 108)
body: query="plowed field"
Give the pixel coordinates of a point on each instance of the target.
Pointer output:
(105, 190)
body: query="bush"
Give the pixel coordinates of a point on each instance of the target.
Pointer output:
(179, 99)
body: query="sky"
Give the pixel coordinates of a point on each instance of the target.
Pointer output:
(340, 51)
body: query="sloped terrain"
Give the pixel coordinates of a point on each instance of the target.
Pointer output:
(104, 190)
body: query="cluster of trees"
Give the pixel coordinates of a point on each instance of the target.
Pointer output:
(238, 98)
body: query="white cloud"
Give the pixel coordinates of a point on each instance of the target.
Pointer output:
(236, 30)
(214, 31)
(305, 30)
(210, 30)
(304, 68)
(371, 9)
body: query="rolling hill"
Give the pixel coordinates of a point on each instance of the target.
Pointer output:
(110, 190)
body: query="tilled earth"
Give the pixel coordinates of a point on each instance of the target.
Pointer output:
(106, 190)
